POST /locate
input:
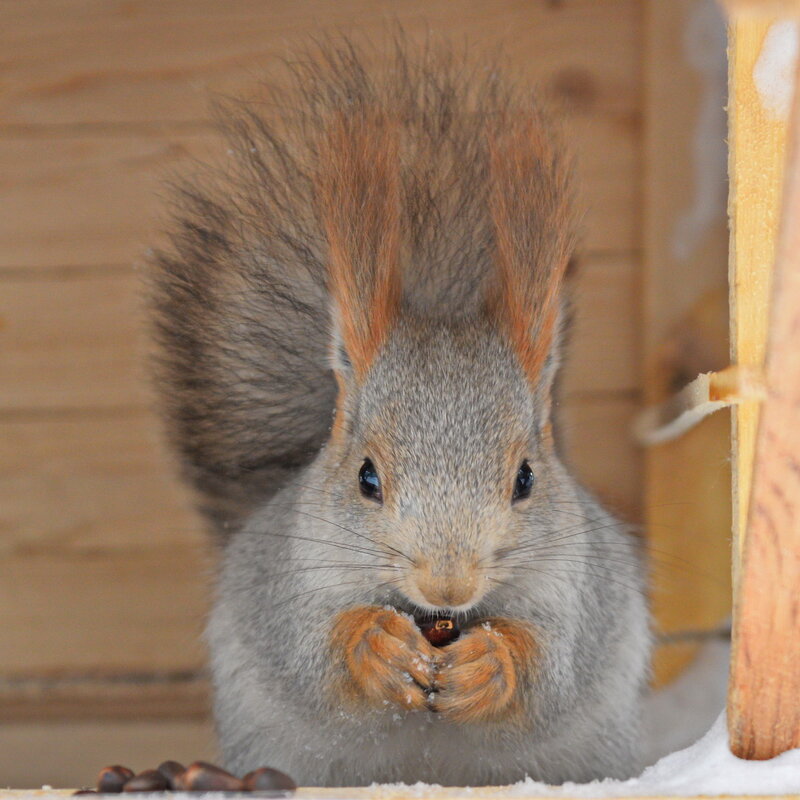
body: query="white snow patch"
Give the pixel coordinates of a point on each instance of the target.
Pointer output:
(706, 768)
(773, 73)
(704, 48)
(680, 713)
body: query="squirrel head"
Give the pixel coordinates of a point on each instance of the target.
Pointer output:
(442, 437)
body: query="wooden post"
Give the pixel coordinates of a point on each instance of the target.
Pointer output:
(763, 7)
(757, 143)
(764, 696)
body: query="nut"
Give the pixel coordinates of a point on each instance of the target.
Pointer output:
(267, 779)
(151, 780)
(439, 632)
(110, 780)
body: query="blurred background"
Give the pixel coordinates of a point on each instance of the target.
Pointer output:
(104, 568)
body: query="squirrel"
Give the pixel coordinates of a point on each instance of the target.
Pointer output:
(360, 318)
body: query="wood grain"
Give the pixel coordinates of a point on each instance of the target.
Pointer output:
(602, 349)
(113, 612)
(64, 753)
(596, 436)
(386, 792)
(96, 200)
(88, 200)
(174, 695)
(135, 61)
(757, 146)
(55, 356)
(90, 483)
(73, 342)
(771, 8)
(684, 320)
(763, 707)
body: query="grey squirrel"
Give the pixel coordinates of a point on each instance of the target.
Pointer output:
(360, 319)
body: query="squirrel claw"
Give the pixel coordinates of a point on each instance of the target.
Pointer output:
(386, 658)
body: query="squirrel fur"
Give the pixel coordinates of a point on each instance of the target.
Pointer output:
(360, 319)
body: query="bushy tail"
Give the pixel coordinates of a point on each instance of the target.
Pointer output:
(240, 300)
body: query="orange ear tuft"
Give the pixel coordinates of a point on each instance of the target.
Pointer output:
(359, 194)
(530, 202)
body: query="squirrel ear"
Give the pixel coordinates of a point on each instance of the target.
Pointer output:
(530, 201)
(358, 189)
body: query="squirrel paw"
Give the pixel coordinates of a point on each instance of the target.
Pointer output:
(386, 658)
(479, 676)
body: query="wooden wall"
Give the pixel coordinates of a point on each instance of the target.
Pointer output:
(103, 567)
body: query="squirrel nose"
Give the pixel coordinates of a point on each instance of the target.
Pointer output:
(453, 587)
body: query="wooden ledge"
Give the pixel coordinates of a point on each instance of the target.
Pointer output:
(388, 792)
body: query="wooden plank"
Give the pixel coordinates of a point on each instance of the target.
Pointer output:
(75, 341)
(79, 341)
(71, 753)
(763, 707)
(602, 351)
(388, 792)
(90, 483)
(688, 527)
(757, 145)
(108, 612)
(93, 200)
(596, 437)
(127, 61)
(87, 200)
(140, 697)
(687, 496)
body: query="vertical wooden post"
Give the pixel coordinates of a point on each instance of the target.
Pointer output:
(757, 143)
(764, 696)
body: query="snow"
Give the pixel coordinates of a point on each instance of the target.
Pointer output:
(773, 73)
(704, 50)
(706, 768)
(678, 715)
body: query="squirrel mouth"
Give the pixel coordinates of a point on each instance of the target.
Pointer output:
(439, 627)
(426, 618)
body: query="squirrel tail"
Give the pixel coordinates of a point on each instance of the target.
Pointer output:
(240, 296)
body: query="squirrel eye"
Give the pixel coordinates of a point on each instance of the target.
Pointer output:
(369, 481)
(523, 483)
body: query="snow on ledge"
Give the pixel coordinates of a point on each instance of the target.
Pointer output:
(706, 768)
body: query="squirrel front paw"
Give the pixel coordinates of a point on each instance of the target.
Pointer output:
(382, 657)
(480, 675)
